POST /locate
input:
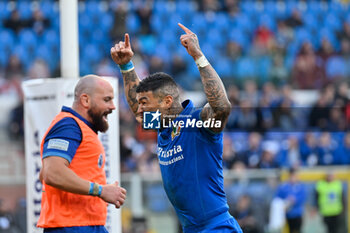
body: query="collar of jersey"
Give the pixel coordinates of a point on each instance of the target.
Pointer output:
(70, 110)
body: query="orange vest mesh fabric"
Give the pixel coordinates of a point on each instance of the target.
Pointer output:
(64, 209)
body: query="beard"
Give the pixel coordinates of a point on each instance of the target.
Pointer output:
(98, 122)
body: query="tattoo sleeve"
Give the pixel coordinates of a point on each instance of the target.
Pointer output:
(131, 80)
(218, 106)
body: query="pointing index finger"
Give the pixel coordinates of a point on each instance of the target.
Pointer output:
(188, 31)
(127, 40)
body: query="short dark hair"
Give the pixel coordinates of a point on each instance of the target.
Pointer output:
(161, 84)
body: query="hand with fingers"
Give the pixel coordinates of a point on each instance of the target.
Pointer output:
(113, 194)
(121, 52)
(190, 42)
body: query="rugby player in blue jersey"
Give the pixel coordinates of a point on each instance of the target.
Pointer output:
(189, 155)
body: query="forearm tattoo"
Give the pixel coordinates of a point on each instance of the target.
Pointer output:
(216, 94)
(131, 80)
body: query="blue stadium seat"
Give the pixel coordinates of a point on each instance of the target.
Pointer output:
(106, 22)
(263, 66)
(148, 45)
(336, 67)
(216, 38)
(45, 53)
(85, 67)
(185, 8)
(24, 9)
(302, 34)
(314, 7)
(51, 38)
(268, 21)
(246, 68)
(3, 58)
(28, 38)
(332, 22)
(7, 39)
(326, 33)
(23, 55)
(244, 23)
(47, 8)
(91, 54)
(223, 67)
(239, 37)
(310, 21)
(133, 23)
(4, 10)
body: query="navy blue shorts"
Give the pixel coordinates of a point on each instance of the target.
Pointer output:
(84, 229)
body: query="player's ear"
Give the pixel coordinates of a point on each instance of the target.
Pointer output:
(168, 101)
(85, 100)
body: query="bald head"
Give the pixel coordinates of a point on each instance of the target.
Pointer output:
(93, 100)
(85, 85)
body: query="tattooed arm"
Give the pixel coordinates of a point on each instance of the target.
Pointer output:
(121, 54)
(218, 106)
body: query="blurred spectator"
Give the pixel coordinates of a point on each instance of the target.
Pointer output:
(14, 68)
(252, 154)
(325, 51)
(330, 202)
(39, 69)
(263, 39)
(337, 121)
(295, 19)
(105, 68)
(342, 95)
(15, 22)
(229, 156)
(319, 114)
(308, 150)
(246, 117)
(285, 116)
(268, 156)
(244, 214)
(289, 155)
(209, 5)
(120, 12)
(284, 35)
(326, 149)
(144, 12)
(306, 73)
(343, 151)
(233, 94)
(7, 224)
(344, 34)
(20, 216)
(15, 125)
(233, 50)
(294, 195)
(231, 7)
(278, 73)
(38, 22)
(250, 92)
(156, 64)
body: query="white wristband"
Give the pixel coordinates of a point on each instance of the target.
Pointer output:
(202, 62)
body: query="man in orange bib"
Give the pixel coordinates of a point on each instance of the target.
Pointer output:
(75, 193)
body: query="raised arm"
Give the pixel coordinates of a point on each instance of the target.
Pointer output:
(218, 105)
(121, 54)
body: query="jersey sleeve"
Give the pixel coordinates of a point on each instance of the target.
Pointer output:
(63, 139)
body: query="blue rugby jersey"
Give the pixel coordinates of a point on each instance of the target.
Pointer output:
(191, 165)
